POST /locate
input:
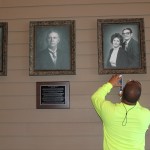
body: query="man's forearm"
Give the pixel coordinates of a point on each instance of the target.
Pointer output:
(99, 96)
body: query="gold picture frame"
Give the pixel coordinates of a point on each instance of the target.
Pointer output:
(40, 60)
(3, 48)
(134, 61)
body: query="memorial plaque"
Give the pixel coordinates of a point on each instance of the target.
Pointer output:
(52, 95)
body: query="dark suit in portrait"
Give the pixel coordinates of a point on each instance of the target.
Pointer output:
(121, 60)
(44, 61)
(133, 53)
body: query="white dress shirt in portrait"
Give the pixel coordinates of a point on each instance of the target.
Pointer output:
(113, 57)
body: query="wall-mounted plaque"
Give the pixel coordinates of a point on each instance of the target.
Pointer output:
(52, 95)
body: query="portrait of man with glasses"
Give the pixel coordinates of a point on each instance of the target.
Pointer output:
(131, 46)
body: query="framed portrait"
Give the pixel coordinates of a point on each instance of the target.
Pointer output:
(121, 46)
(53, 95)
(52, 47)
(3, 48)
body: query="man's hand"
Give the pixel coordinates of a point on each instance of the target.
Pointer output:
(114, 80)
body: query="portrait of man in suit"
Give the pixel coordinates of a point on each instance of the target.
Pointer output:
(54, 56)
(52, 47)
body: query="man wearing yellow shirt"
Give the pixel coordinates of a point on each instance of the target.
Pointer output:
(124, 123)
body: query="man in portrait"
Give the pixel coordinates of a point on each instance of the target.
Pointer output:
(132, 47)
(52, 57)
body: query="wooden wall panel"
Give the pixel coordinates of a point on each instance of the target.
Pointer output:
(18, 50)
(84, 23)
(75, 10)
(56, 115)
(49, 129)
(55, 143)
(22, 126)
(19, 3)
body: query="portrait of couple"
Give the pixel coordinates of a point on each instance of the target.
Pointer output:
(121, 46)
(124, 51)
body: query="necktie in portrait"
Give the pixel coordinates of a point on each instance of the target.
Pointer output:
(53, 56)
(126, 45)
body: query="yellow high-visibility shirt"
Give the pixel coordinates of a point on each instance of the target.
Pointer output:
(124, 126)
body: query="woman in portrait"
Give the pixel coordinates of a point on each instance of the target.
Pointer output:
(117, 55)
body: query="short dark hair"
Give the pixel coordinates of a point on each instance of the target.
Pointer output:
(127, 29)
(117, 35)
(132, 91)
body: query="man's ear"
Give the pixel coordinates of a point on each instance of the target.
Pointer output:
(58, 39)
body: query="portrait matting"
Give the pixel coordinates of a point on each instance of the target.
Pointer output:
(132, 59)
(52, 48)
